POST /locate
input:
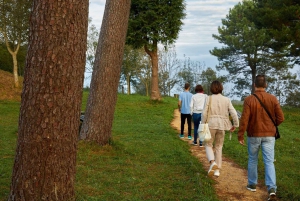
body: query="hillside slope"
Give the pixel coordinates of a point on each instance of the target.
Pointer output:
(7, 89)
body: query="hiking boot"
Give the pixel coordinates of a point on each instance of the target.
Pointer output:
(181, 136)
(189, 137)
(212, 168)
(272, 194)
(251, 187)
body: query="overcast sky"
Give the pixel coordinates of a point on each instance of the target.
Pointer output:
(195, 39)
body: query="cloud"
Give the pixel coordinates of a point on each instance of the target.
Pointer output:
(96, 11)
(195, 39)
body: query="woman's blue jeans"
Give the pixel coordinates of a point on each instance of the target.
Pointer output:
(196, 119)
(267, 145)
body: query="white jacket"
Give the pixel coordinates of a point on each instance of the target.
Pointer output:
(220, 108)
(197, 103)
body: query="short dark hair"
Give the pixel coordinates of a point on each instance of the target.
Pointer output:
(260, 81)
(198, 88)
(216, 87)
(186, 86)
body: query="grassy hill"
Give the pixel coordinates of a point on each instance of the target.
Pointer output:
(145, 159)
(7, 89)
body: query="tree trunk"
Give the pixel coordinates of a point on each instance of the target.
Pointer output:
(128, 84)
(16, 76)
(44, 167)
(15, 61)
(147, 89)
(102, 99)
(253, 75)
(155, 94)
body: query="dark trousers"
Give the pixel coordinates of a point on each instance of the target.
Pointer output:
(189, 121)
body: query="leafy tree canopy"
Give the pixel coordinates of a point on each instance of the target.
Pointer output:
(282, 19)
(154, 21)
(247, 48)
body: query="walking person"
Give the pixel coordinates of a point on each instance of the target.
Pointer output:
(184, 109)
(217, 110)
(196, 107)
(260, 133)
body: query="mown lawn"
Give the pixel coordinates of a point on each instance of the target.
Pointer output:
(147, 161)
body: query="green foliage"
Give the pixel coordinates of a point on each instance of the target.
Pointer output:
(154, 21)
(207, 77)
(281, 18)
(5, 59)
(92, 42)
(293, 99)
(14, 20)
(189, 72)
(6, 62)
(247, 49)
(135, 68)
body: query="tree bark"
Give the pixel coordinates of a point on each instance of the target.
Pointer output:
(102, 99)
(44, 167)
(155, 93)
(128, 84)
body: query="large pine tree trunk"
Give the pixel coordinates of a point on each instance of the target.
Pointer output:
(102, 99)
(44, 167)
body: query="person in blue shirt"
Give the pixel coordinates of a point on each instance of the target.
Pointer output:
(184, 109)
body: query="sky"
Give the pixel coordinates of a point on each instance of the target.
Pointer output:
(195, 39)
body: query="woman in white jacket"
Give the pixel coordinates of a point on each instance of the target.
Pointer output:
(196, 107)
(218, 121)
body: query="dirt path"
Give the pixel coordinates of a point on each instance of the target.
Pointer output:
(231, 184)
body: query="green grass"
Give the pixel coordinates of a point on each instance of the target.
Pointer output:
(9, 113)
(287, 155)
(145, 160)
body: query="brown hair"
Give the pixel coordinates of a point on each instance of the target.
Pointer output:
(260, 81)
(216, 87)
(186, 86)
(199, 89)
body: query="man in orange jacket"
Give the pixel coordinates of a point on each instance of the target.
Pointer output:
(260, 133)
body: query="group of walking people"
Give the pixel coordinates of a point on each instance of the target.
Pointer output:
(255, 120)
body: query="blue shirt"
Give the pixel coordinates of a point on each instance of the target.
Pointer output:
(185, 98)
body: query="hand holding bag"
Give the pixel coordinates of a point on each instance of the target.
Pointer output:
(203, 131)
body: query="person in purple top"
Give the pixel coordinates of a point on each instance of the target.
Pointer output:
(184, 108)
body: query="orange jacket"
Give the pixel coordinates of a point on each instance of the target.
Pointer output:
(255, 119)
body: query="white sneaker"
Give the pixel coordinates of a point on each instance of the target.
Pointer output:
(217, 173)
(212, 168)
